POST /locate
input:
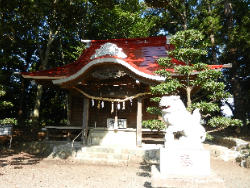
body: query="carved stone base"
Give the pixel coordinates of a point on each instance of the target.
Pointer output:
(184, 162)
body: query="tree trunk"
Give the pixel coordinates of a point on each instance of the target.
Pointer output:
(184, 17)
(211, 35)
(235, 78)
(212, 39)
(20, 110)
(44, 61)
(44, 56)
(238, 101)
(188, 92)
(20, 118)
(35, 114)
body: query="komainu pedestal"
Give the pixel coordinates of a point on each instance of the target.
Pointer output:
(184, 168)
(184, 162)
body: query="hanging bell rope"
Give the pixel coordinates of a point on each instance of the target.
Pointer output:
(110, 99)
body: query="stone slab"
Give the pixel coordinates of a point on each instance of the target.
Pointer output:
(184, 162)
(161, 180)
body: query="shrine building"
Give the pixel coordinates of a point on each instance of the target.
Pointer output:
(109, 88)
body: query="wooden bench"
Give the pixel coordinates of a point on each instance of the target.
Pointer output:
(7, 131)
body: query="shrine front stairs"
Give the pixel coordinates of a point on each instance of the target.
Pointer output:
(108, 155)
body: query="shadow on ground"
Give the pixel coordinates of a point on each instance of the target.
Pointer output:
(145, 171)
(30, 153)
(16, 158)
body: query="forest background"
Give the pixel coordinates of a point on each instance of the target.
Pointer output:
(37, 35)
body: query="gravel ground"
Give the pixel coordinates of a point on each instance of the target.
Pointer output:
(22, 170)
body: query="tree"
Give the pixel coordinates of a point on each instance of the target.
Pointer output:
(31, 33)
(236, 26)
(178, 13)
(4, 104)
(208, 20)
(202, 87)
(118, 19)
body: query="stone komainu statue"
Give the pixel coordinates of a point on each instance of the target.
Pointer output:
(181, 122)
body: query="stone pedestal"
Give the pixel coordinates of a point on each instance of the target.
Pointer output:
(184, 162)
(184, 167)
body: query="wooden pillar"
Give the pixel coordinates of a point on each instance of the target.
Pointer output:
(139, 123)
(85, 119)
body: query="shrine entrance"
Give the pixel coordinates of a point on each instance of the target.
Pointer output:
(113, 107)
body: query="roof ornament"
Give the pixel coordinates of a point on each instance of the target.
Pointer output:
(109, 49)
(87, 42)
(168, 39)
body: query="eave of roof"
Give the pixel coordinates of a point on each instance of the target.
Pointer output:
(138, 55)
(141, 56)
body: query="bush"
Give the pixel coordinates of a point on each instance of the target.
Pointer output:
(6, 121)
(223, 122)
(154, 124)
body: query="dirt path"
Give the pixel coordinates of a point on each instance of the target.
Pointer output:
(23, 170)
(233, 175)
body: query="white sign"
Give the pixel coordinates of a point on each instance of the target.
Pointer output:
(122, 123)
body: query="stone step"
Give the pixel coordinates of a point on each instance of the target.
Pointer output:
(96, 161)
(116, 150)
(132, 155)
(102, 158)
(99, 155)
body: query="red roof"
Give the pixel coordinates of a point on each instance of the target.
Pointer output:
(139, 55)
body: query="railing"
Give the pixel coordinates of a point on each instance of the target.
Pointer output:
(72, 142)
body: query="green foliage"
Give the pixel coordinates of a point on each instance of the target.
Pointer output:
(223, 122)
(154, 110)
(209, 137)
(75, 51)
(6, 121)
(154, 124)
(189, 46)
(165, 62)
(208, 75)
(206, 108)
(155, 99)
(4, 105)
(124, 19)
(184, 70)
(166, 88)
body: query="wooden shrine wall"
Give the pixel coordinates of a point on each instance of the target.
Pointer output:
(76, 109)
